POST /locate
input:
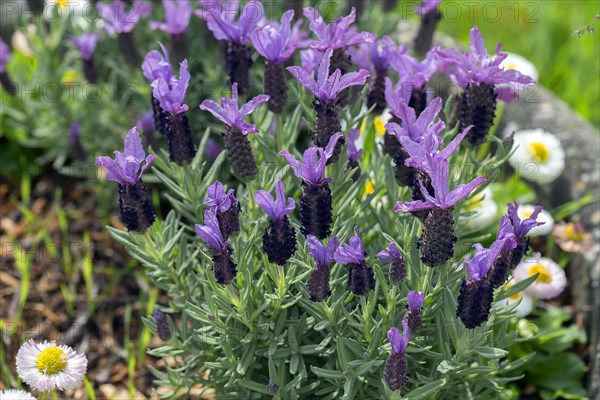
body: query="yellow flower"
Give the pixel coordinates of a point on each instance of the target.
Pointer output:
(369, 187)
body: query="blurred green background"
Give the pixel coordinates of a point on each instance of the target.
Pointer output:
(542, 32)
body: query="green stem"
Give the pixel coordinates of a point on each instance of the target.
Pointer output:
(365, 310)
(281, 289)
(278, 132)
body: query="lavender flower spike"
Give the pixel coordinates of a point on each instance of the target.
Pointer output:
(430, 16)
(338, 34)
(237, 145)
(177, 17)
(210, 233)
(521, 228)
(85, 44)
(279, 239)
(318, 283)
(157, 65)
(5, 55)
(227, 207)
(397, 271)
(126, 169)
(361, 278)
(396, 366)
(413, 314)
(171, 94)
(427, 6)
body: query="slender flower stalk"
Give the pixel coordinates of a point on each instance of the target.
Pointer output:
(430, 16)
(171, 96)
(318, 283)
(353, 153)
(413, 313)
(326, 90)
(121, 22)
(126, 169)
(279, 239)
(177, 19)
(315, 203)
(237, 145)
(227, 207)
(86, 44)
(483, 81)
(397, 271)
(221, 23)
(223, 266)
(395, 371)
(361, 278)
(276, 44)
(5, 55)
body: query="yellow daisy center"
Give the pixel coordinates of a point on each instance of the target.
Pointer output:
(369, 187)
(62, 3)
(475, 202)
(525, 214)
(574, 232)
(544, 274)
(379, 126)
(510, 65)
(539, 151)
(51, 361)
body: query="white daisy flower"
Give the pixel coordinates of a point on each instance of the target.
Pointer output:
(525, 301)
(482, 209)
(46, 366)
(538, 156)
(520, 64)
(544, 216)
(551, 280)
(13, 394)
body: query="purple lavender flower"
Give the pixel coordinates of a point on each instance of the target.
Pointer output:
(323, 255)
(521, 228)
(397, 271)
(157, 65)
(171, 93)
(396, 366)
(274, 43)
(220, 19)
(4, 78)
(210, 233)
(177, 17)
(231, 114)
(413, 314)
(126, 169)
(279, 239)
(310, 60)
(311, 170)
(361, 278)
(427, 6)
(336, 35)
(327, 87)
(162, 326)
(276, 210)
(117, 20)
(318, 283)
(227, 206)
(86, 44)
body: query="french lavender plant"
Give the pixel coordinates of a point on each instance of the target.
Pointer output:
(223, 267)
(219, 18)
(5, 55)
(430, 16)
(397, 271)
(326, 89)
(155, 66)
(318, 283)
(413, 313)
(395, 372)
(361, 279)
(315, 203)
(126, 169)
(120, 22)
(177, 19)
(86, 44)
(279, 240)
(235, 137)
(173, 120)
(227, 208)
(483, 81)
(276, 45)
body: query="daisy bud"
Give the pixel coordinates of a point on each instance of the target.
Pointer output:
(478, 108)
(437, 238)
(162, 326)
(279, 239)
(237, 65)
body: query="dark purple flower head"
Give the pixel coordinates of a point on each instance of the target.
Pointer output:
(4, 55)
(275, 209)
(145, 123)
(127, 168)
(327, 88)
(352, 253)
(522, 227)
(275, 43)
(220, 19)
(210, 232)
(218, 199)
(399, 341)
(74, 131)
(212, 149)
(171, 94)
(85, 44)
(117, 20)
(391, 254)
(322, 254)
(231, 114)
(336, 35)
(427, 6)
(418, 129)
(479, 67)
(177, 17)
(157, 65)
(353, 153)
(311, 170)
(415, 300)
